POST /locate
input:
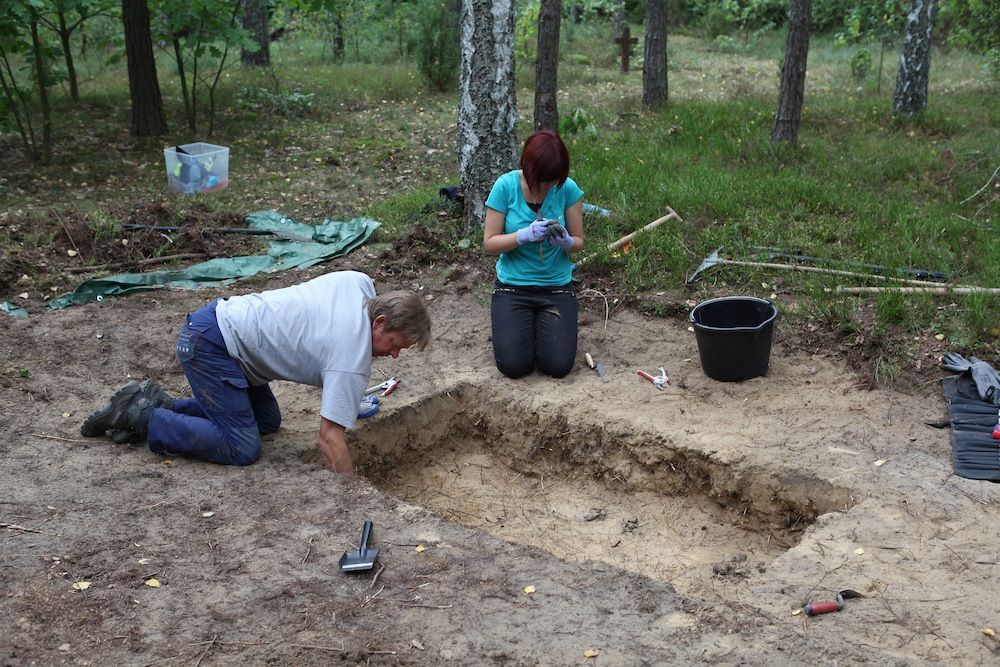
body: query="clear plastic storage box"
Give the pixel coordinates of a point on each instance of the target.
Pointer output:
(197, 167)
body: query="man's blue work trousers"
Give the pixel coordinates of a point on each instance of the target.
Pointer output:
(225, 419)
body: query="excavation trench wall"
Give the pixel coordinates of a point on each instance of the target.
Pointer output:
(536, 440)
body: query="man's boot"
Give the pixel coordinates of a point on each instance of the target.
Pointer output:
(100, 421)
(135, 418)
(154, 393)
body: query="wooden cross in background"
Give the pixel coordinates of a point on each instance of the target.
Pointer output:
(626, 40)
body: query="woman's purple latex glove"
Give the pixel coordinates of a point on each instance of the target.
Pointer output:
(560, 238)
(533, 233)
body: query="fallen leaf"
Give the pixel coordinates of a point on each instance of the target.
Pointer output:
(81, 585)
(879, 463)
(143, 561)
(590, 653)
(168, 462)
(153, 583)
(22, 295)
(989, 632)
(207, 514)
(420, 548)
(859, 551)
(939, 337)
(529, 589)
(417, 645)
(72, 253)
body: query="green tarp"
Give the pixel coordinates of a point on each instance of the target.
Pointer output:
(13, 309)
(330, 239)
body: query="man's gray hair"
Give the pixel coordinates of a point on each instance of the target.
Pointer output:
(404, 311)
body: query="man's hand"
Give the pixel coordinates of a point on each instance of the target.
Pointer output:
(333, 446)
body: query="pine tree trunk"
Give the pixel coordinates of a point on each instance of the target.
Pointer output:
(148, 118)
(487, 112)
(547, 66)
(793, 74)
(654, 61)
(915, 59)
(256, 23)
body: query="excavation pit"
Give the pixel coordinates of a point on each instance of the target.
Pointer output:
(589, 491)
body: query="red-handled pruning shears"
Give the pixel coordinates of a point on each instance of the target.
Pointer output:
(659, 381)
(386, 387)
(826, 606)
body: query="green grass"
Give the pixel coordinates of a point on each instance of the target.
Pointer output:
(862, 186)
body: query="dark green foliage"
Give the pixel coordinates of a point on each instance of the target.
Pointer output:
(975, 25)
(438, 54)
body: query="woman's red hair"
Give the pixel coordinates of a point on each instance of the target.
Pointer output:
(544, 159)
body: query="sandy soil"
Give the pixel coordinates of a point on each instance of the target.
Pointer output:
(520, 522)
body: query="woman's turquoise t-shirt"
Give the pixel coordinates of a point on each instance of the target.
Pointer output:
(522, 265)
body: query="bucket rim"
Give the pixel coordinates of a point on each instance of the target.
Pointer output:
(757, 327)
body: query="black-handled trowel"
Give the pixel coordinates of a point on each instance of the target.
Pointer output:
(363, 558)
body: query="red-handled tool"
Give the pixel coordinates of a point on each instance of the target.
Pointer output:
(659, 381)
(826, 606)
(386, 387)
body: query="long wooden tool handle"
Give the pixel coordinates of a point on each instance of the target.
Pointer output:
(655, 223)
(836, 272)
(628, 237)
(920, 290)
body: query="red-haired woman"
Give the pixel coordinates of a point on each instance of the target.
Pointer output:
(534, 220)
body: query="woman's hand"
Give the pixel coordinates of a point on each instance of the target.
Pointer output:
(534, 232)
(560, 238)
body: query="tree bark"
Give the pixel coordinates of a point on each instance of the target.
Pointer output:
(654, 61)
(148, 118)
(487, 112)
(915, 59)
(256, 23)
(547, 66)
(64, 39)
(43, 88)
(793, 74)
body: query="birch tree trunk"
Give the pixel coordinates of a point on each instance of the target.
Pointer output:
(148, 118)
(793, 74)
(654, 60)
(915, 59)
(487, 113)
(547, 66)
(256, 23)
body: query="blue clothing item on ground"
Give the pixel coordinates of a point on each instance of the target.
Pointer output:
(534, 327)
(522, 265)
(225, 419)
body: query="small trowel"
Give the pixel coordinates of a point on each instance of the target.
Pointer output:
(597, 366)
(363, 558)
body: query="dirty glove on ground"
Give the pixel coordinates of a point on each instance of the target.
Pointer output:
(533, 233)
(985, 376)
(559, 237)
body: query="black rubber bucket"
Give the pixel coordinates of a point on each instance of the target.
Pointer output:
(734, 336)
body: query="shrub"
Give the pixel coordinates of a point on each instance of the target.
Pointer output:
(438, 50)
